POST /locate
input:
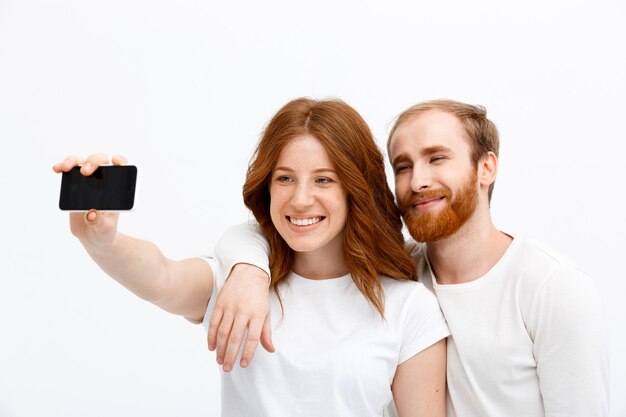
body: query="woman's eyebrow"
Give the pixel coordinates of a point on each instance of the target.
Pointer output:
(318, 170)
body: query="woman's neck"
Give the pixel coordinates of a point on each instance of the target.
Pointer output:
(324, 263)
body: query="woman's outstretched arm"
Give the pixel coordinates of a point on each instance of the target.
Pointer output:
(180, 287)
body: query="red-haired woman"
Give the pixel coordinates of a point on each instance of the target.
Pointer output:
(352, 326)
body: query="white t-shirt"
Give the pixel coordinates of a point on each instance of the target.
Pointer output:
(529, 338)
(335, 355)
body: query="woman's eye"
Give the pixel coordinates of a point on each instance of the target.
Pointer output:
(323, 180)
(283, 178)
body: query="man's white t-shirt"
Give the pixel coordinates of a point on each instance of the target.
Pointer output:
(335, 355)
(529, 338)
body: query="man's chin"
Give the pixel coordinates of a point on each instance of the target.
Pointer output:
(427, 236)
(432, 228)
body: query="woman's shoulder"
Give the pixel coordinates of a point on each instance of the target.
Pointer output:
(413, 310)
(398, 290)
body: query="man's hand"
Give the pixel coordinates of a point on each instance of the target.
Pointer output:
(242, 303)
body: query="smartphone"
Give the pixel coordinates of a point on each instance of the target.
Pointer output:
(110, 187)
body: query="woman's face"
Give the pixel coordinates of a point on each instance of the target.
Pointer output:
(308, 204)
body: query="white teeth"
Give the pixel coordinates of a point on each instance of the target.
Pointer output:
(305, 222)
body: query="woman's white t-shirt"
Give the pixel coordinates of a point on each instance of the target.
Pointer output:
(335, 355)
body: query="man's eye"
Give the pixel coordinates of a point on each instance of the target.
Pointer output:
(401, 168)
(437, 158)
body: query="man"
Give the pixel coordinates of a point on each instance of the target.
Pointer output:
(528, 334)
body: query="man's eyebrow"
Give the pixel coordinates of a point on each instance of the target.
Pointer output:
(435, 149)
(403, 157)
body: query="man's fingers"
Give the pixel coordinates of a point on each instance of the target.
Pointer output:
(252, 341)
(214, 324)
(266, 335)
(234, 343)
(223, 333)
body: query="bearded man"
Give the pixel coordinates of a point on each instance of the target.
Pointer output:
(528, 334)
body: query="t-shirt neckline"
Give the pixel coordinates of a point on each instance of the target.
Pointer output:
(299, 280)
(482, 279)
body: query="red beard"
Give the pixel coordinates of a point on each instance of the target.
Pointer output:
(429, 226)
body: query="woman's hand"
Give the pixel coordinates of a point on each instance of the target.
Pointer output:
(93, 228)
(180, 287)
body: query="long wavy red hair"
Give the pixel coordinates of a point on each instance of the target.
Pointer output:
(373, 240)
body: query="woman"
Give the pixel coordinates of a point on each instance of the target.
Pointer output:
(352, 326)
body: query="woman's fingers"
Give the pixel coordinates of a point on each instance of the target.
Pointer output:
(67, 164)
(119, 160)
(91, 217)
(88, 165)
(93, 162)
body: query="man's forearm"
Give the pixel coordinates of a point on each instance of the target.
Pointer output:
(243, 244)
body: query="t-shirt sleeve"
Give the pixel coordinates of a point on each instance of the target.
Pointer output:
(424, 324)
(218, 282)
(243, 243)
(571, 347)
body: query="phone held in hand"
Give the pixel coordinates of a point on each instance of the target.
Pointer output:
(110, 187)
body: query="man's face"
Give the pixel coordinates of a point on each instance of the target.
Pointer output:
(436, 182)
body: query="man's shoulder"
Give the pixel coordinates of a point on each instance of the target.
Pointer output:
(418, 253)
(536, 265)
(540, 256)
(417, 250)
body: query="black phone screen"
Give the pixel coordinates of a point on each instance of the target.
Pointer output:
(110, 187)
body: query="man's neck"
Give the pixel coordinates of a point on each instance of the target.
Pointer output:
(470, 252)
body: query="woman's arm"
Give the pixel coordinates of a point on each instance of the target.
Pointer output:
(419, 386)
(180, 287)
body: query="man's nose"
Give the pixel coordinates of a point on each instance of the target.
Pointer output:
(421, 178)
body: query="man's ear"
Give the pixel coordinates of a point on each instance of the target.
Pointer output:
(487, 169)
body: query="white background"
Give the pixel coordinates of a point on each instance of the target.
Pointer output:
(184, 88)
